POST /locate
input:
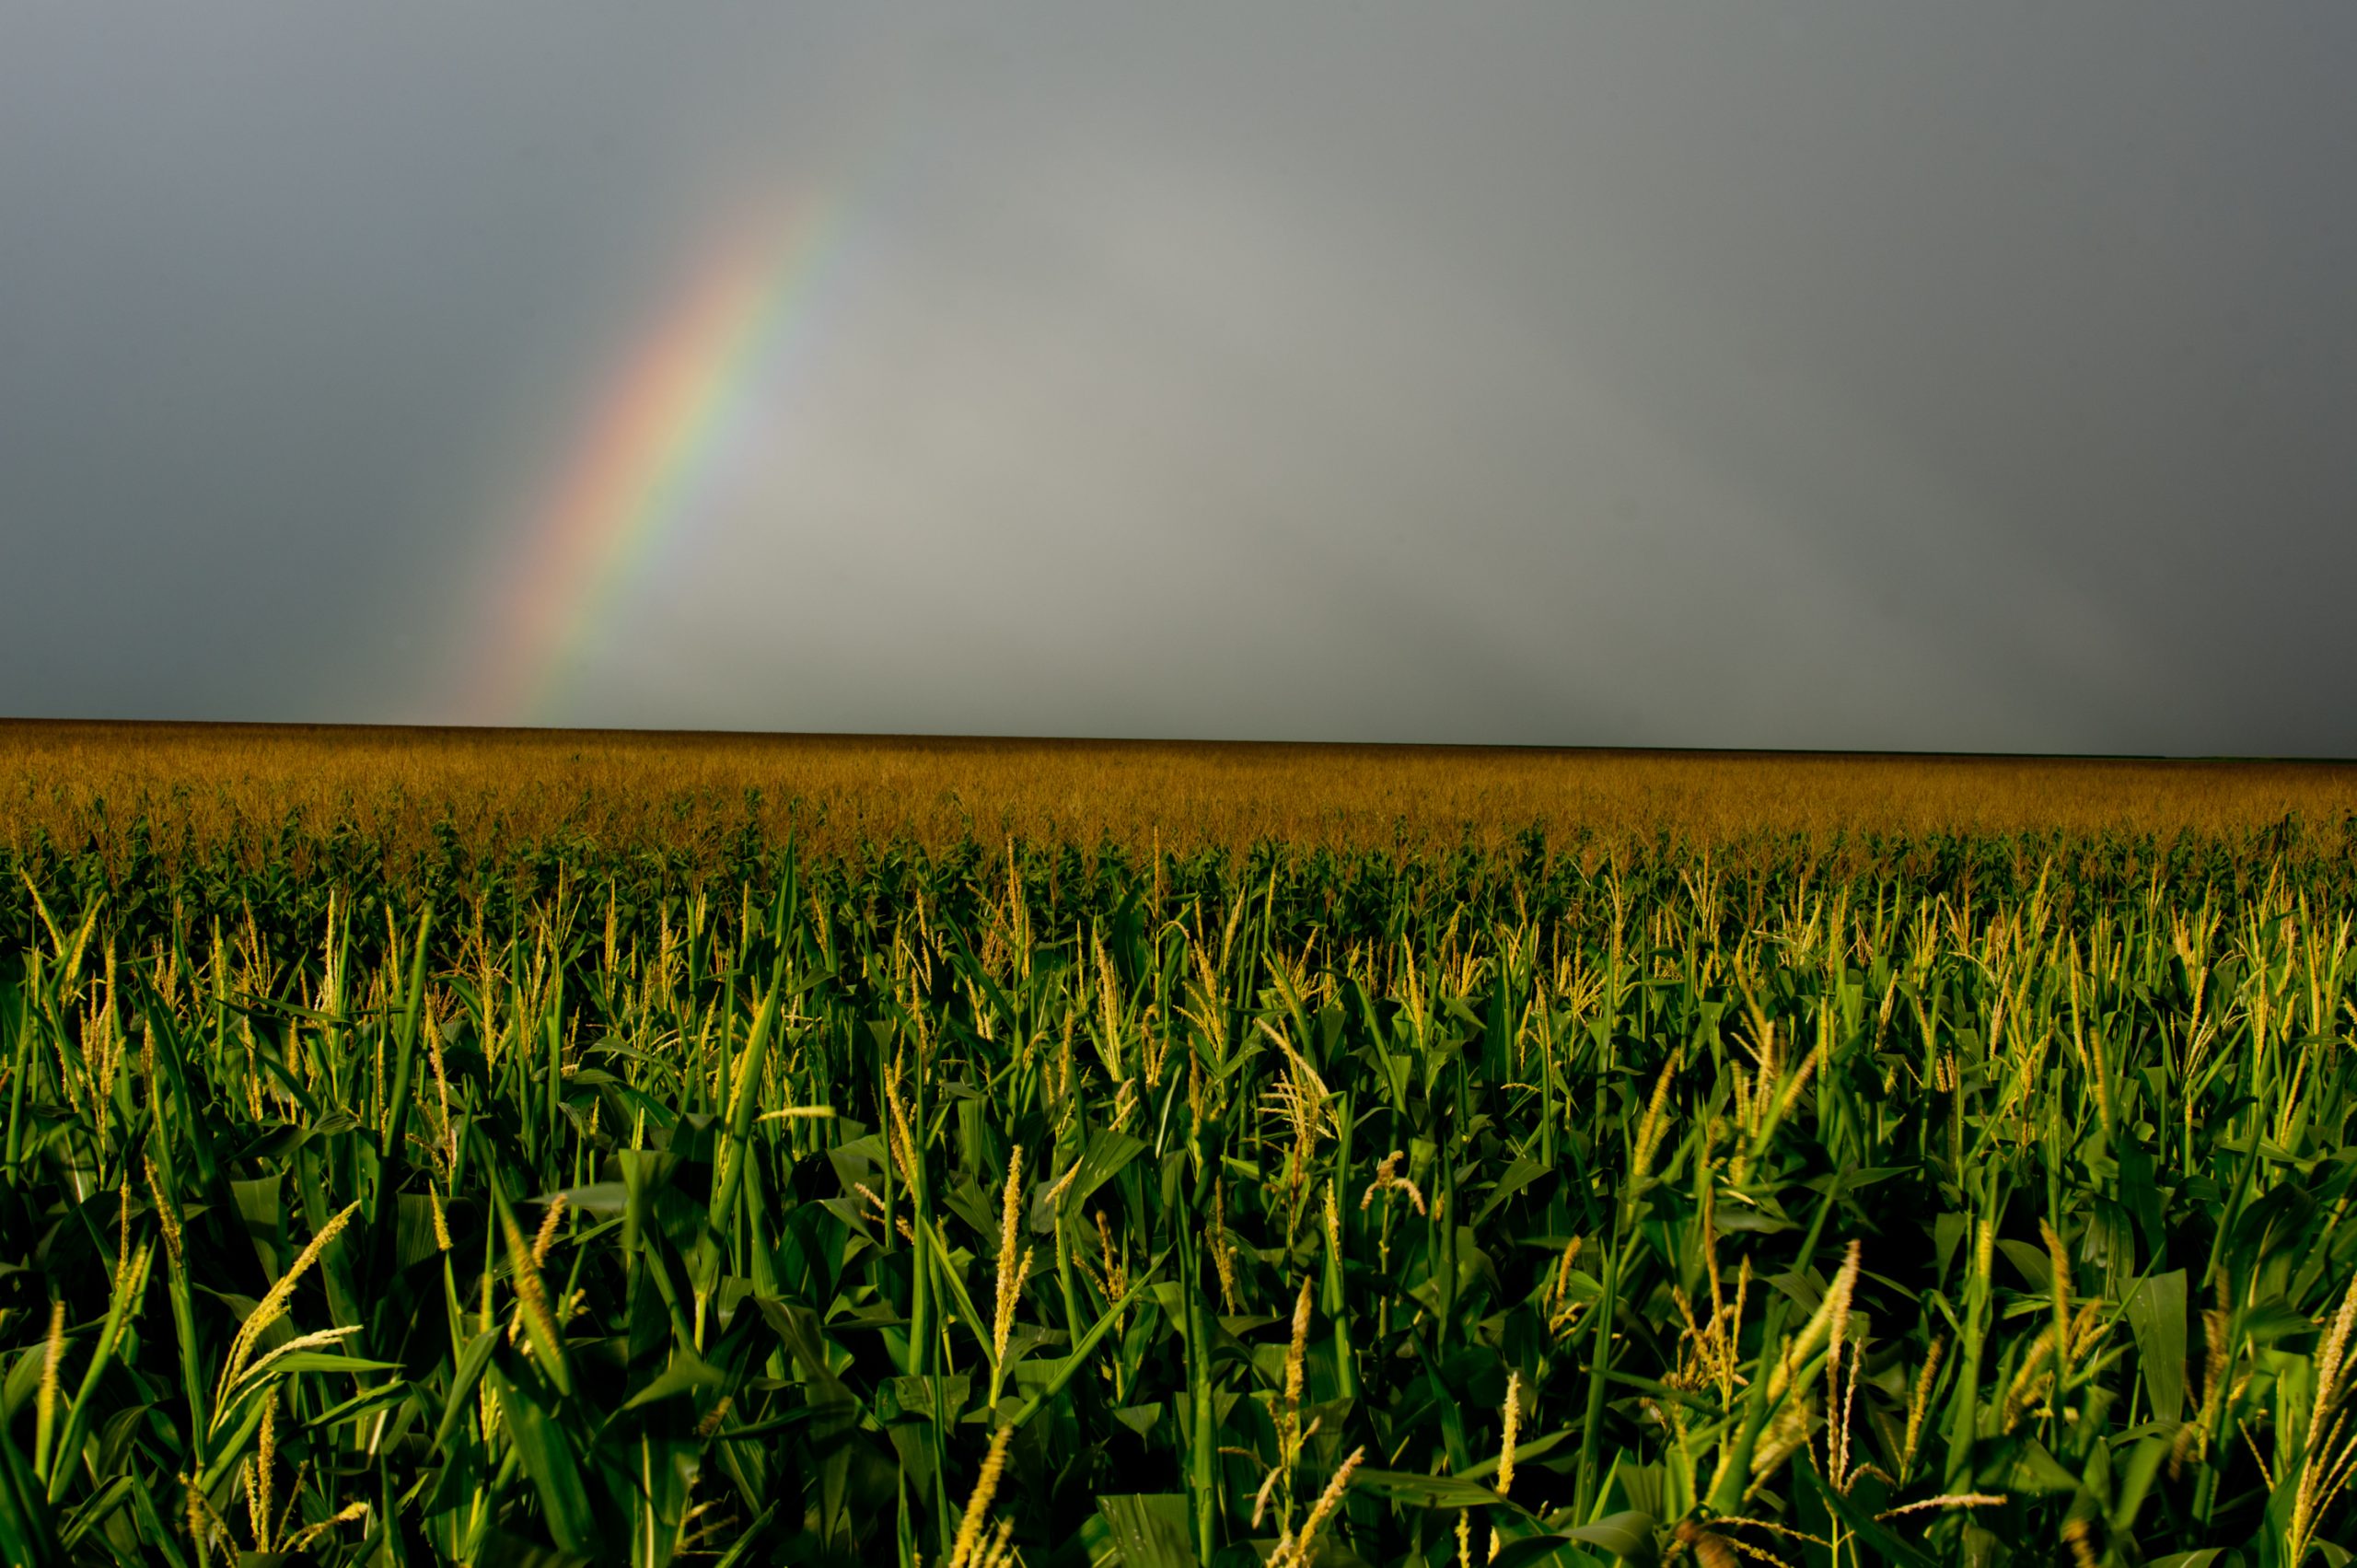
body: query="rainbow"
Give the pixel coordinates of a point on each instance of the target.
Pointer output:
(642, 462)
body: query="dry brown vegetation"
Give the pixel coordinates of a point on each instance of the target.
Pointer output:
(77, 780)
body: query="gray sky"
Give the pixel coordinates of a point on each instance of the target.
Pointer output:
(1798, 374)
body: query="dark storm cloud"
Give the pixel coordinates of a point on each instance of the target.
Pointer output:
(1797, 375)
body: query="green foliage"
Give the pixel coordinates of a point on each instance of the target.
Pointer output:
(976, 1209)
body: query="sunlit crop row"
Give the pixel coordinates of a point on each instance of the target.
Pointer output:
(982, 1207)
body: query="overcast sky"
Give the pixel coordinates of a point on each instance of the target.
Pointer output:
(1945, 377)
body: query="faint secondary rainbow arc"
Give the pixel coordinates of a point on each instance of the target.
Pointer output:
(636, 474)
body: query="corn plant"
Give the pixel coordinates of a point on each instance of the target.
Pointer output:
(975, 1208)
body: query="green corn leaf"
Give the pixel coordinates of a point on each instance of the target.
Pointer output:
(549, 1460)
(366, 1402)
(1109, 1153)
(1148, 1530)
(1426, 1491)
(685, 1375)
(295, 1362)
(501, 1549)
(1537, 1447)
(27, 1531)
(94, 1512)
(1628, 1535)
(2156, 1317)
(472, 1362)
(1061, 1371)
(1530, 1549)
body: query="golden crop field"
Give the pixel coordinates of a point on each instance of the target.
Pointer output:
(534, 1148)
(219, 782)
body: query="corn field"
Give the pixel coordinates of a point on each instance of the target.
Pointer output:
(1968, 1202)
